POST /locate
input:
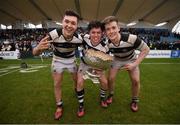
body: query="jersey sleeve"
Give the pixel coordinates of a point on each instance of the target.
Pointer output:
(140, 44)
(136, 42)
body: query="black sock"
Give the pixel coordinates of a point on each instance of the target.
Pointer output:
(59, 104)
(103, 94)
(110, 95)
(80, 96)
(135, 99)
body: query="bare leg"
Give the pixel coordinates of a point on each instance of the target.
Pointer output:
(80, 94)
(103, 81)
(111, 79)
(80, 81)
(135, 79)
(57, 85)
(74, 77)
(58, 93)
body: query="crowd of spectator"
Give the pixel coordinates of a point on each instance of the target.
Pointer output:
(157, 39)
(23, 40)
(26, 39)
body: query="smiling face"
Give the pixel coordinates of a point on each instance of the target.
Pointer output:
(69, 25)
(95, 35)
(112, 31)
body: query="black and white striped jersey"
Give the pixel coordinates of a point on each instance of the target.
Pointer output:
(127, 46)
(62, 48)
(87, 44)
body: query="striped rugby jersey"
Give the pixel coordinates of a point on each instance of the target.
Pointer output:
(127, 46)
(87, 44)
(102, 46)
(64, 50)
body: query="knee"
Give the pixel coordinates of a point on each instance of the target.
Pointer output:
(136, 82)
(80, 83)
(111, 79)
(104, 83)
(103, 80)
(74, 78)
(57, 84)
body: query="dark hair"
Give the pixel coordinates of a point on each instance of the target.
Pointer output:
(109, 19)
(72, 13)
(95, 24)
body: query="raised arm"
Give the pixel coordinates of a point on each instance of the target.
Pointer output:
(43, 45)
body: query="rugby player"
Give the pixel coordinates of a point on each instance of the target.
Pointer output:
(123, 46)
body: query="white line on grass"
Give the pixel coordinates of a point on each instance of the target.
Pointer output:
(28, 70)
(10, 67)
(9, 72)
(48, 64)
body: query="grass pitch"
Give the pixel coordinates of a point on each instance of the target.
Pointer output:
(28, 97)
